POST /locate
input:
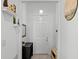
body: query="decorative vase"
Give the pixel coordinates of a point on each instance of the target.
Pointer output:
(5, 3)
(14, 20)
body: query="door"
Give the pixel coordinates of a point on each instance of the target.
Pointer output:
(40, 33)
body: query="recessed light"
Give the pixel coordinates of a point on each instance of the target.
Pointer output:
(41, 12)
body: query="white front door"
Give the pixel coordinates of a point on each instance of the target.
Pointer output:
(40, 33)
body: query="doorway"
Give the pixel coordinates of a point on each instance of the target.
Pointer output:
(41, 25)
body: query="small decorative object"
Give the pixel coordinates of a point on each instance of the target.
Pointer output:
(5, 3)
(12, 8)
(14, 20)
(9, 6)
(70, 9)
(23, 30)
(18, 22)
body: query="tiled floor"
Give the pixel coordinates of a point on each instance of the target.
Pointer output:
(40, 57)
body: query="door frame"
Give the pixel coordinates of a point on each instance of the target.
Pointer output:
(59, 4)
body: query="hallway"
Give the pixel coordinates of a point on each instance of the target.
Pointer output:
(39, 29)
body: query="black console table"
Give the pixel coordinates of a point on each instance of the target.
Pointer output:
(27, 50)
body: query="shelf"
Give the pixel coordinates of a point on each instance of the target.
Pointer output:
(5, 9)
(15, 25)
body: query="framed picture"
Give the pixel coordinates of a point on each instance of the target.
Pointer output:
(23, 30)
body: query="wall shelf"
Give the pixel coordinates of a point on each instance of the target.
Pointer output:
(15, 25)
(5, 9)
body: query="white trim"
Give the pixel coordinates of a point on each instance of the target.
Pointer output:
(58, 27)
(61, 12)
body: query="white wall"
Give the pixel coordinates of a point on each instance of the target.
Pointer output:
(68, 36)
(19, 15)
(10, 35)
(69, 39)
